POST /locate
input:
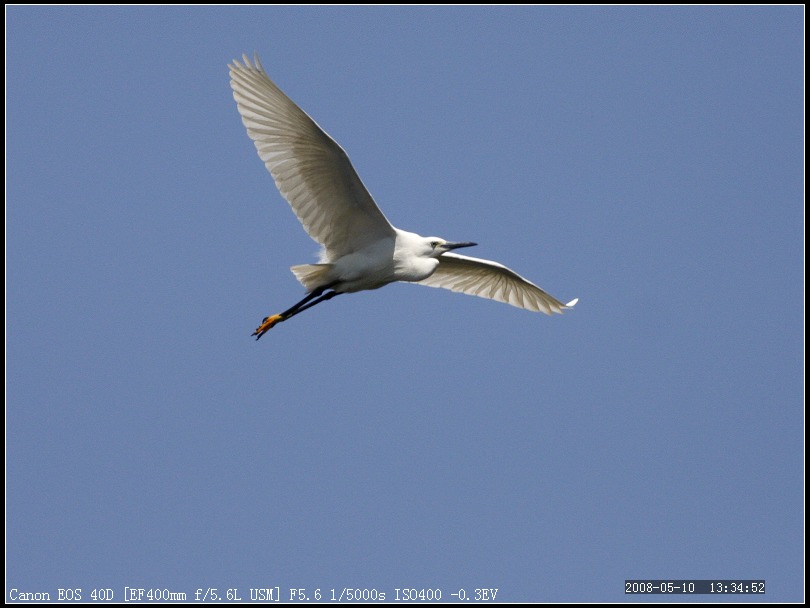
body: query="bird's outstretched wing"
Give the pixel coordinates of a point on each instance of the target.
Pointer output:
(486, 279)
(310, 169)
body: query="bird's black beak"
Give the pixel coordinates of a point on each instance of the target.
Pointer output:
(450, 246)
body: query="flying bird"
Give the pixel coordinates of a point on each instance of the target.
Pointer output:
(361, 249)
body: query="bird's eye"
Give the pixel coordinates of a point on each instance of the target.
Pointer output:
(434, 244)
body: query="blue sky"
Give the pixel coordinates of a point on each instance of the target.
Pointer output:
(646, 160)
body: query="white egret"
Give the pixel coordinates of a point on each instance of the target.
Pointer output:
(361, 249)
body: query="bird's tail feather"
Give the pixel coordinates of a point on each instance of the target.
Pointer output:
(312, 276)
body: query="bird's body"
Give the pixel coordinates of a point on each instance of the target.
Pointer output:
(361, 249)
(375, 265)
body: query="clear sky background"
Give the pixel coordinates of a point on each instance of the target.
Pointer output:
(646, 160)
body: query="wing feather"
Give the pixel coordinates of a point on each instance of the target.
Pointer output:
(487, 279)
(310, 169)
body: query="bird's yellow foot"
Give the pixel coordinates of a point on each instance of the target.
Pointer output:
(267, 325)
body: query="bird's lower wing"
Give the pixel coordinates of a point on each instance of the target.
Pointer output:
(310, 169)
(486, 279)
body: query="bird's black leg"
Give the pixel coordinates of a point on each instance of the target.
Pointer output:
(316, 293)
(327, 296)
(313, 298)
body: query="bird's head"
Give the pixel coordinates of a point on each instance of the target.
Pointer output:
(436, 246)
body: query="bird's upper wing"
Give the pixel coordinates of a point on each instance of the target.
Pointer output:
(310, 169)
(487, 279)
